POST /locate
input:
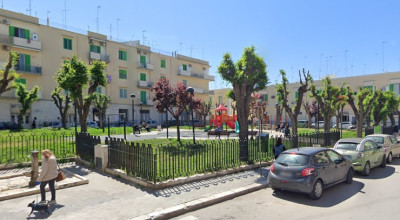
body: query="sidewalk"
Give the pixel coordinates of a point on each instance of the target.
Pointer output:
(108, 197)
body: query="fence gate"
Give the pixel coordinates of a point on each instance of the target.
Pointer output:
(85, 145)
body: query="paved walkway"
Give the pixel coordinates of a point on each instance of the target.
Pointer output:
(108, 197)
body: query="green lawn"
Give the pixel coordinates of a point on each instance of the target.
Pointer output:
(346, 133)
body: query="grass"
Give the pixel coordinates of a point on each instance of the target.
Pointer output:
(346, 133)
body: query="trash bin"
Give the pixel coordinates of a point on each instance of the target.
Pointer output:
(264, 142)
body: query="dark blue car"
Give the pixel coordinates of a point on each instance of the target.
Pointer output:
(309, 170)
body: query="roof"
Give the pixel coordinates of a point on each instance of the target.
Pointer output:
(351, 140)
(378, 135)
(306, 150)
(221, 107)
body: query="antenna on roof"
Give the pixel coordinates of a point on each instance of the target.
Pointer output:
(30, 8)
(2, 4)
(191, 50)
(97, 19)
(65, 14)
(144, 38)
(47, 18)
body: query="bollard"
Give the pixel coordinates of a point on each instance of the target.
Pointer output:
(34, 168)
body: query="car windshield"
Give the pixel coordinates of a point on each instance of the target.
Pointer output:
(290, 159)
(378, 140)
(346, 146)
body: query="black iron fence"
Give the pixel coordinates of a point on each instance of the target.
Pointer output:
(17, 147)
(85, 145)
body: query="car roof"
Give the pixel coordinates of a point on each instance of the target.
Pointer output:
(307, 150)
(378, 135)
(351, 140)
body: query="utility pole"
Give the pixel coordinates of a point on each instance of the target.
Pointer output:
(97, 19)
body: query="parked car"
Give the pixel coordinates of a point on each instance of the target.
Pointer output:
(390, 145)
(321, 124)
(344, 124)
(364, 153)
(92, 124)
(302, 123)
(309, 170)
(152, 123)
(54, 124)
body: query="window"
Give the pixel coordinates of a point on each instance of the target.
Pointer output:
(95, 48)
(336, 158)
(369, 145)
(185, 82)
(321, 158)
(24, 62)
(123, 74)
(99, 89)
(143, 60)
(395, 88)
(293, 159)
(143, 77)
(371, 88)
(19, 32)
(123, 93)
(122, 55)
(162, 63)
(163, 77)
(219, 100)
(296, 95)
(27, 119)
(20, 81)
(67, 43)
(143, 98)
(184, 66)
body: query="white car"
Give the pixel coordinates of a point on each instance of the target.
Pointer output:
(320, 123)
(345, 125)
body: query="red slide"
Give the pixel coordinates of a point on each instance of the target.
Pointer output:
(231, 124)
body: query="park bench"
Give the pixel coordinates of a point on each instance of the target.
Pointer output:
(218, 133)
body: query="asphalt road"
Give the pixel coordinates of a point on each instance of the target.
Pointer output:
(374, 197)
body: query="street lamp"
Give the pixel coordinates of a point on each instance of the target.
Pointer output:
(141, 108)
(133, 112)
(190, 90)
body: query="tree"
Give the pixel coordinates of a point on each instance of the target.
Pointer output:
(311, 111)
(231, 95)
(361, 105)
(284, 96)
(327, 100)
(342, 101)
(383, 107)
(74, 77)
(25, 98)
(249, 71)
(203, 110)
(101, 102)
(8, 75)
(62, 103)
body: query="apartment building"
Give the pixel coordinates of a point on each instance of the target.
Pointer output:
(132, 68)
(219, 97)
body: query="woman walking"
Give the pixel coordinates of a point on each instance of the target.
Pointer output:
(279, 148)
(48, 175)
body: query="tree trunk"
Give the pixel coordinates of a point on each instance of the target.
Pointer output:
(177, 129)
(82, 120)
(294, 125)
(20, 119)
(327, 125)
(338, 119)
(242, 117)
(64, 120)
(392, 120)
(101, 119)
(359, 120)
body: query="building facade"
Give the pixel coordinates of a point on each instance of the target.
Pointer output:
(132, 68)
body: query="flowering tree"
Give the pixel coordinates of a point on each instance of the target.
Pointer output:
(203, 110)
(256, 102)
(311, 110)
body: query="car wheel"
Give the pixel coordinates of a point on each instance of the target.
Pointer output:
(317, 190)
(275, 189)
(349, 177)
(390, 158)
(383, 163)
(367, 169)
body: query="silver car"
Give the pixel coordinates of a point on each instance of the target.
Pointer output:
(390, 145)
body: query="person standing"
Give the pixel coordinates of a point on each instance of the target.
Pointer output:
(279, 148)
(48, 175)
(395, 131)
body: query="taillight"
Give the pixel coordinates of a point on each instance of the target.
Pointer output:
(360, 155)
(271, 169)
(307, 172)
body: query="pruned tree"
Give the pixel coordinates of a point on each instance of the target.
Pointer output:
(203, 110)
(311, 110)
(384, 106)
(101, 102)
(327, 100)
(342, 101)
(248, 71)
(25, 98)
(8, 75)
(282, 89)
(75, 76)
(361, 105)
(62, 103)
(231, 95)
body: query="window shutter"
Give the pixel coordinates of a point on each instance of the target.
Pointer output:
(27, 34)
(184, 67)
(143, 97)
(99, 49)
(296, 96)
(27, 62)
(91, 48)
(11, 31)
(162, 63)
(391, 87)
(143, 60)
(142, 77)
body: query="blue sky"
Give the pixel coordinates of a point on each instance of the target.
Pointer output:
(290, 35)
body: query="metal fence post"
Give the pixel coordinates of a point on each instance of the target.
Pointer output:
(155, 168)
(108, 125)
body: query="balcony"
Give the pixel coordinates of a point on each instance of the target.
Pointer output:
(99, 56)
(198, 90)
(147, 102)
(202, 76)
(15, 109)
(144, 84)
(147, 66)
(35, 70)
(26, 43)
(184, 73)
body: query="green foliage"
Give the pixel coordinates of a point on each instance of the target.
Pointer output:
(101, 101)
(25, 98)
(385, 104)
(8, 74)
(230, 94)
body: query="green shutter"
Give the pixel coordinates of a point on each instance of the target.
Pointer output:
(11, 31)
(143, 60)
(391, 87)
(27, 34)
(296, 95)
(162, 63)
(185, 82)
(20, 81)
(184, 67)
(143, 97)
(122, 55)
(91, 48)
(65, 43)
(143, 77)
(98, 49)
(27, 62)
(70, 44)
(162, 77)
(122, 74)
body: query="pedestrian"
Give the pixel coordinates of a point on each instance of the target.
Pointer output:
(279, 148)
(395, 131)
(48, 175)
(287, 130)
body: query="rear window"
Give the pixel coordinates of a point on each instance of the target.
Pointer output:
(346, 146)
(378, 140)
(289, 159)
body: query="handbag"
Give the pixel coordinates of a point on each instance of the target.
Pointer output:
(61, 175)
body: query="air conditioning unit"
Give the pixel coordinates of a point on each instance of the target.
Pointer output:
(6, 47)
(138, 51)
(90, 41)
(190, 65)
(35, 36)
(5, 21)
(103, 44)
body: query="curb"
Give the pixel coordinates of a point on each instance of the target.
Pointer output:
(200, 203)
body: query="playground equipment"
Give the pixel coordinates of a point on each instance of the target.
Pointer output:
(221, 117)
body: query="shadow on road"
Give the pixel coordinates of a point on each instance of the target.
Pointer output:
(37, 215)
(331, 196)
(378, 173)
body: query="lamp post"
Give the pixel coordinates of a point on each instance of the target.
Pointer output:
(341, 122)
(141, 108)
(133, 112)
(190, 90)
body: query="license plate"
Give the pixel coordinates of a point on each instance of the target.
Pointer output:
(286, 174)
